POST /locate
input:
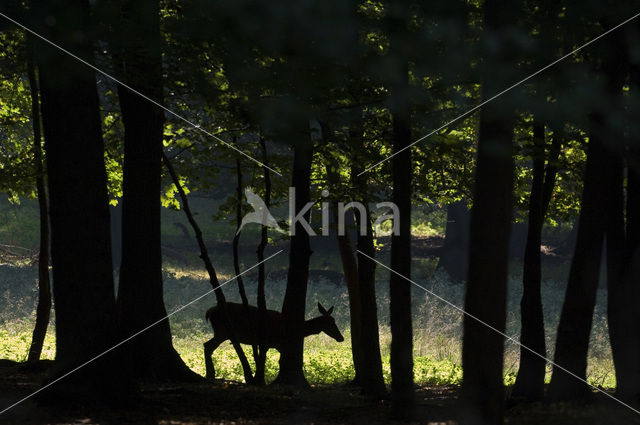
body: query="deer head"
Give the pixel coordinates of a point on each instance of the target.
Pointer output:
(328, 324)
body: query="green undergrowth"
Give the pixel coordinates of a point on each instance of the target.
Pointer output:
(331, 365)
(437, 327)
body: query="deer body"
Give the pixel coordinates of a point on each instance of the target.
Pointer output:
(245, 327)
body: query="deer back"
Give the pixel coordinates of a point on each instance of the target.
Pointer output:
(245, 324)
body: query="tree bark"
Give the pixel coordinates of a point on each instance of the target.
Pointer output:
(371, 377)
(261, 297)
(350, 271)
(43, 310)
(482, 392)
(80, 245)
(213, 277)
(620, 304)
(483, 348)
(628, 384)
(572, 341)
(531, 373)
(628, 368)
(621, 301)
(236, 256)
(400, 289)
(601, 214)
(140, 292)
(359, 272)
(236, 239)
(399, 22)
(293, 307)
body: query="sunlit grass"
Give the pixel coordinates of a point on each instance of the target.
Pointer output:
(15, 345)
(437, 327)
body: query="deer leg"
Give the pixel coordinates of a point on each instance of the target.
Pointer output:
(209, 348)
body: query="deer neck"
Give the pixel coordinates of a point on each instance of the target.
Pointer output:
(313, 326)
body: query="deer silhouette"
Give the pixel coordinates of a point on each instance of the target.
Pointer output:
(245, 325)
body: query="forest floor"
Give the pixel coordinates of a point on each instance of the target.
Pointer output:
(229, 403)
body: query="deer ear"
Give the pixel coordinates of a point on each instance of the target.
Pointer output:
(330, 311)
(322, 309)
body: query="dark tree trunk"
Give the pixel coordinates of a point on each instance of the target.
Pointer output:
(482, 392)
(628, 366)
(572, 342)
(236, 239)
(43, 310)
(80, 245)
(530, 380)
(261, 298)
(140, 291)
(359, 272)
(601, 214)
(371, 378)
(293, 307)
(350, 271)
(621, 301)
(400, 289)
(236, 254)
(455, 252)
(399, 19)
(629, 383)
(483, 348)
(116, 235)
(213, 278)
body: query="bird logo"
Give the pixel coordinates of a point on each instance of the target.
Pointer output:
(260, 213)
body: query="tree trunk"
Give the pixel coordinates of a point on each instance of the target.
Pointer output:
(621, 301)
(601, 213)
(572, 341)
(236, 239)
(43, 310)
(350, 270)
(83, 287)
(360, 278)
(483, 348)
(400, 289)
(531, 373)
(261, 298)
(359, 272)
(372, 379)
(628, 368)
(628, 384)
(213, 277)
(140, 291)
(116, 235)
(455, 252)
(293, 307)
(236, 255)
(482, 392)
